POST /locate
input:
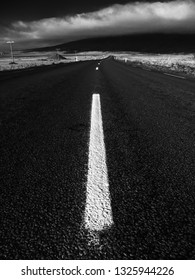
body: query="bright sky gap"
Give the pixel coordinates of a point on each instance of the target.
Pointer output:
(98, 212)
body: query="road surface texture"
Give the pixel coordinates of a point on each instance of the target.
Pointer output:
(148, 121)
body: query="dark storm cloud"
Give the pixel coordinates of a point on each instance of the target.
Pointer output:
(139, 17)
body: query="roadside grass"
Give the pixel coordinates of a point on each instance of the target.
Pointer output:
(35, 59)
(171, 63)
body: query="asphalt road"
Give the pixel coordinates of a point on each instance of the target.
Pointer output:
(149, 134)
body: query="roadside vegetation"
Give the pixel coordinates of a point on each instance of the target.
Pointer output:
(171, 63)
(35, 59)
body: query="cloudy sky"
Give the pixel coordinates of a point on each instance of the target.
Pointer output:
(41, 23)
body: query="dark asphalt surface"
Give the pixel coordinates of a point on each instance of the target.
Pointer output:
(149, 130)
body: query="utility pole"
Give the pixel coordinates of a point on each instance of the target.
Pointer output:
(75, 56)
(57, 54)
(11, 49)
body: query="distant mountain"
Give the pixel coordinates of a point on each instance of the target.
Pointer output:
(57, 56)
(152, 43)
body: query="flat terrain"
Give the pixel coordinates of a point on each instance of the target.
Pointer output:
(23, 60)
(149, 134)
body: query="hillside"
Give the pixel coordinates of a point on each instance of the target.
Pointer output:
(155, 43)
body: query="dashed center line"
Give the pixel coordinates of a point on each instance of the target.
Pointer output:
(180, 77)
(98, 212)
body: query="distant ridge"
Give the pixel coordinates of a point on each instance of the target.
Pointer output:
(57, 56)
(151, 43)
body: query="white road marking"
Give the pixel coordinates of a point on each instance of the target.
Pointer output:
(97, 68)
(180, 77)
(98, 212)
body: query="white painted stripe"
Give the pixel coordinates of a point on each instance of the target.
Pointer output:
(180, 77)
(98, 212)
